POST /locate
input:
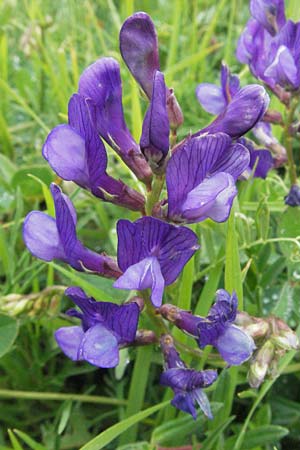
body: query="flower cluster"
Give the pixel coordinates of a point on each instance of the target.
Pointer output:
(201, 174)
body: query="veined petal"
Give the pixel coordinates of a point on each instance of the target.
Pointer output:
(69, 340)
(234, 345)
(139, 49)
(143, 275)
(100, 347)
(230, 84)
(211, 98)
(190, 165)
(65, 151)
(234, 161)
(41, 236)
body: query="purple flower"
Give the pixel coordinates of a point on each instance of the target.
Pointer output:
(139, 49)
(152, 253)
(201, 177)
(217, 329)
(260, 159)
(156, 128)
(105, 327)
(100, 85)
(238, 109)
(187, 384)
(48, 238)
(293, 197)
(76, 153)
(270, 45)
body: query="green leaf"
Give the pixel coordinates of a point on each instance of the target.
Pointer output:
(7, 168)
(29, 441)
(113, 432)
(233, 274)
(288, 227)
(29, 187)
(214, 435)
(175, 431)
(264, 435)
(8, 333)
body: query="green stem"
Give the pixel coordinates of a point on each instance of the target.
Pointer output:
(154, 194)
(288, 142)
(57, 396)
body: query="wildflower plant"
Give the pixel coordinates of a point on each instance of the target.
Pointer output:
(179, 183)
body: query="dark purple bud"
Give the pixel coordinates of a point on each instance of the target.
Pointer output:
(100, 85)
(105, 327)
(186, 383)
(201, 178)
(272, 116)
(139, 49)
(48, 238)
(152, 253)
(156, 128)
(293, 197)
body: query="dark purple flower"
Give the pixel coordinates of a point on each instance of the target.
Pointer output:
(201, 177)
(76, 153)
(270, 45)
(238, 112)
(105, 327)
(100, 84)
(152, 253)
(269, 13)
(139, 49)
(187, 384)
(293, 197)
(156, 128)
(260, 159)
(48, 238)
(217, 329)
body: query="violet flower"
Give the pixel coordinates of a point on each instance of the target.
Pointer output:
(105, 327)
(238, 109)
(186, 383)
(48, 238)
(156, 128)
(261, 160)
(139, 49)
(100, 85)
(293, 197)
(201, 177)
(217, 329)
(152, 253)
(76, 153)
(270, 45)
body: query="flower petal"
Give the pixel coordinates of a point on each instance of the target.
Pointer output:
(211, 98)
(283, 68)
(65, 151)
(69, 340)
(139, 49)
(234, 345)
(269, 13)
(100, 347)
(234, 161)
(41, 236)
(190, 164)
(201, 399)
(144, 275)
(262, 161)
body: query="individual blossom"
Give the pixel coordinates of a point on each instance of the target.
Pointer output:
(186, 383)
(237, 109)
(105, 327)
(76, 153)
(152, 253)
(217, 329)
(293, 197)
(270, 45)
(263, 133)
(50, 238)
(100, 85)
(201, 177)
(139, 49)
(156, 127)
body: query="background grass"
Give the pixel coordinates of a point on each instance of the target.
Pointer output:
(44, 46)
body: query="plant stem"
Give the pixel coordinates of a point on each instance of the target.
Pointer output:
(288, 142)
(154, 194)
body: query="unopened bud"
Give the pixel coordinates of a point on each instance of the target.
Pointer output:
(261, 362)
(272, 116)
(285, 338)
(145, 337)
(174, 111)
